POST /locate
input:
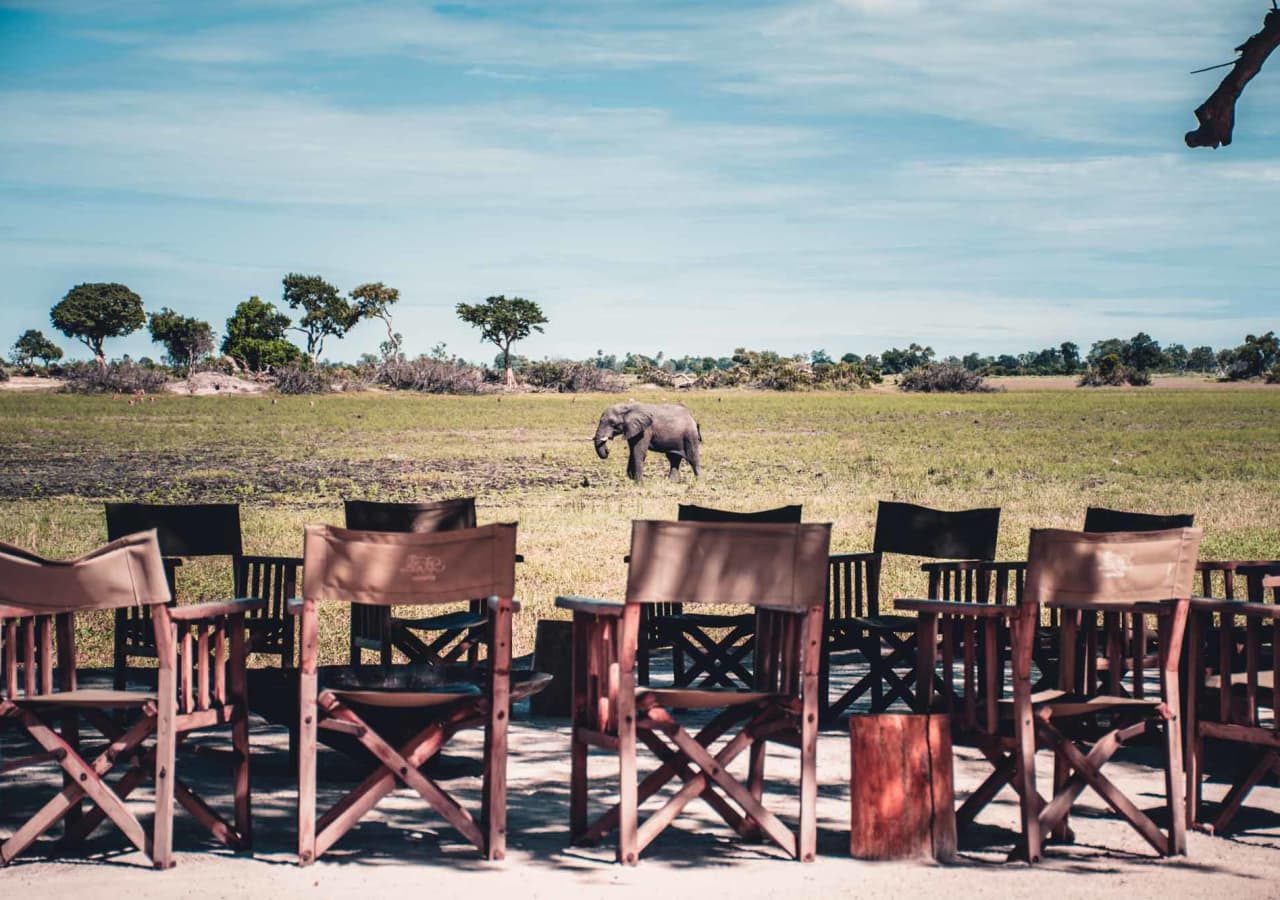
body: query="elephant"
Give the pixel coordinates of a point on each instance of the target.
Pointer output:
(667, 428)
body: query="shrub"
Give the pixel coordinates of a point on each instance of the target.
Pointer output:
(567, 377)
(303, 380)
(431, 375)
(1273, 377)
(1110, 372)
(123, 377)
(846, 376)
(935, 378)
(4, 374)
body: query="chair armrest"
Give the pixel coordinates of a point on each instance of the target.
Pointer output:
(1137, 606)
(864, 556)
(491, 603)
(204, 612)
(285, 560)
(591, 606)
(957, 608)
(1235, 607)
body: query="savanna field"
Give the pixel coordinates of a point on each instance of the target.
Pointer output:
(1041, 455)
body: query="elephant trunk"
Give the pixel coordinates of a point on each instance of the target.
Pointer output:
(602, 448)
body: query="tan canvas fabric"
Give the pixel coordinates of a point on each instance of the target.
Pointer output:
(728, 562)
(382, 568)
(1120, 567)
(125, 572)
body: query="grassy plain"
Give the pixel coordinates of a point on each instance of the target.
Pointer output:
(1041, 455)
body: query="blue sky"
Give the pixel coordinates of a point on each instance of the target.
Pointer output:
(995, 175)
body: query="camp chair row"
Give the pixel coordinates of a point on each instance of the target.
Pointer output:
(401, 717)
(1137, 574)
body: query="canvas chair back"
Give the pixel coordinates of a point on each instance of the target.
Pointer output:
(442, 515)
(127, 572)
(937, 534)
(689, 512)
(1099, 519)
(195, 529)
(770, 565)
(406, 569)
(1086, 570)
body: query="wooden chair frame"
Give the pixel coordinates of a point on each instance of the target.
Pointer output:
(888, 642)
(610, 713)
(1240, 691)
(1066, 720)
(457, 635)
(201, 652)
(407, 569)
(707, 651)
(189, 531)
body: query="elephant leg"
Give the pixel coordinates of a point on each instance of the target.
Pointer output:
(693, 454)
(638, 451)
(674, 459)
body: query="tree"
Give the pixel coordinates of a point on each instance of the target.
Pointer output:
(1142, 353)
(502, 322)
(185, 338)
(1070, 357)
(32, 345)
(373, 301)
(895, 361)
(1256, 356)
(1217, 115)
(1110, 347)
(1175, 358)
(91, 313)
(324, 311)
(255, 337)
(1202, 359)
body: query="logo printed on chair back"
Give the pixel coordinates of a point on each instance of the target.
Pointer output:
(1117, 567)
(423, 568)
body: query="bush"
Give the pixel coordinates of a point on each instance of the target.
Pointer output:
(1110, 372)
(937, 378)
(303, 380)
(4, 374)
(846, 376)
(123, 377)
(566, 377)
(431, 375)
(1273, 377)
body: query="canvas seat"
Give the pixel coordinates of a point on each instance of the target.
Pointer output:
(779, 569)
(403, 716)
(201, 687)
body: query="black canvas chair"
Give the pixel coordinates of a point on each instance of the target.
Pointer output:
(435, 639)
(187, 531)
(886, 643)
(709, 650)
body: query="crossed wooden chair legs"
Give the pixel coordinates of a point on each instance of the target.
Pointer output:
(703, 773)
(87, 780)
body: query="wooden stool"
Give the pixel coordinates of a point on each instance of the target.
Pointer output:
(553, 654)
(901, 787)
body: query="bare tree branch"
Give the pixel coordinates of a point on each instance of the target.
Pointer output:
(1217, 115)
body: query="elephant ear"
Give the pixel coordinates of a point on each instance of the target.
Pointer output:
(636, 424)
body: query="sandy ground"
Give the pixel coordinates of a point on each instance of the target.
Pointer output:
(403, 848)
(30, 383)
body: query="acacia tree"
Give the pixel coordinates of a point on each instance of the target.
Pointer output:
(255, 337)
(91, 313)
(502, 322)
(32, 345)
(185, 338)
(374, 301)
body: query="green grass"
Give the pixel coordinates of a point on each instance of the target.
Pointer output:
(1041, 456)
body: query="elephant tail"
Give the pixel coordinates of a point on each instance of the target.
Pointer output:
(699, 428)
